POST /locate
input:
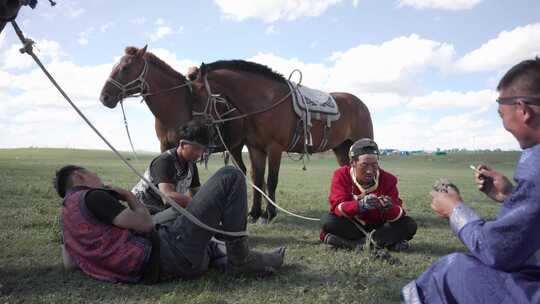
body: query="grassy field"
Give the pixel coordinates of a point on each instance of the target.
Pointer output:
(30, 263)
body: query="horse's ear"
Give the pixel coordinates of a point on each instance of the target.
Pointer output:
(202, 70)
(142, 51)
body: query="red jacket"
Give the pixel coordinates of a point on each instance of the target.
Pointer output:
(342, 202)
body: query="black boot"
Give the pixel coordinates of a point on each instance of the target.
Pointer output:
(242, 261)
(339, 242)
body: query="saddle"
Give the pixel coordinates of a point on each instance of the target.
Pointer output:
(312, 104)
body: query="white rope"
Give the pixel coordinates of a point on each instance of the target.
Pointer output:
(28, 49)
(127, 131)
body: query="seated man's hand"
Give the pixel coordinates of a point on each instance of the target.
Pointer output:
(385, 203)
(368, 202)
(443, 203)
(492, 183)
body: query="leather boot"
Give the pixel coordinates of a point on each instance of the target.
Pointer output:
(242, 261)
(339, 242)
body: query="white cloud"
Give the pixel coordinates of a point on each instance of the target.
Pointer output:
(355, 3)
(45, 49)
(160, 21)
(412, 131)
(464, 121)
(453, 5)
(82, 41)
(314, 75)
(271, 30)
(180, 65)
(273, 10)
(452, 99)
(83, 36)
(161, 32)
(106, 26)
(507, 49)
(390, 66)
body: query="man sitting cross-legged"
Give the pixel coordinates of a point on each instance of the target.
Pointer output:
(111, 242)
(365, 197)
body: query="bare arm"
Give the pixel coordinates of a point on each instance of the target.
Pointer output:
(135, 217)
(170, 191)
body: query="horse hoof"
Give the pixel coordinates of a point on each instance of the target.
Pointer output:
(263, 221)
(252, 219)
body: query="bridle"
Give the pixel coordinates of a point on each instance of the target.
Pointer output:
(140, 85)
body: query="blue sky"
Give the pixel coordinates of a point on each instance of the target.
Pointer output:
(427, 69)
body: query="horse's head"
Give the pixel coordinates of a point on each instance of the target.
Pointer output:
(127, 77)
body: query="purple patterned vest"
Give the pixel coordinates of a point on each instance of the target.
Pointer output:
(104, 252)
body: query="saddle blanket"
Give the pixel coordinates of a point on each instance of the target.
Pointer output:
(321, 105)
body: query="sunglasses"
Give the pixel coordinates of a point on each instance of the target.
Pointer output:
(530, 100)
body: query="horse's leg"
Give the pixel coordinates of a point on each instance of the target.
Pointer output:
(342, 152)
(226, 157)
(236, 153)
(258, 163)
(274, 162)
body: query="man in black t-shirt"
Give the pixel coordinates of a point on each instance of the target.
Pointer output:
(174, 172)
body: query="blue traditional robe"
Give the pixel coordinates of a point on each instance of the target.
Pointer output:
(503, 265)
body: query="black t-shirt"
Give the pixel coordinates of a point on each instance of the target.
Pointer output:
(163, 170)
(105, 206)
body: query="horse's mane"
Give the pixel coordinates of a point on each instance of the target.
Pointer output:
(242, 65)
(131, 50)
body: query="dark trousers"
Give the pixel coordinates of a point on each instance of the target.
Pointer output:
(386, 233)
(185, 248)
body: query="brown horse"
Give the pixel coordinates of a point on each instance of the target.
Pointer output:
(169, 96)
(254, 91)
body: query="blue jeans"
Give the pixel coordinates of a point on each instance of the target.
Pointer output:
(186, 250)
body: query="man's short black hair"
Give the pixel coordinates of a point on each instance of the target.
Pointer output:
(196, 131)
(524, 77)
(62, 180)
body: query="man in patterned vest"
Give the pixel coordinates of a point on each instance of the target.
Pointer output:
(174, 172)
(364, 198)
(111, 242)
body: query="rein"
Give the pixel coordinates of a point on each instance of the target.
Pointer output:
(142, 85)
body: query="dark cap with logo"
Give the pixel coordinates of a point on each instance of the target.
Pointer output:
(363, 146)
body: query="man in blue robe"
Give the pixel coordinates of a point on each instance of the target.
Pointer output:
(503, 265)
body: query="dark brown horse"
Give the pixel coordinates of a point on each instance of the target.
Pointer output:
(249, 88)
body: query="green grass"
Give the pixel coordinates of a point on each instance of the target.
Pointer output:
(30, 263)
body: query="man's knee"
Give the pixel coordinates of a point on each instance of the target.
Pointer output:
(230, 171)
(328, 221)
(408, 226)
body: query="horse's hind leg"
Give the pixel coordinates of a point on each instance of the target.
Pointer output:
(342, 152)
(274, 162)
(258, 163)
